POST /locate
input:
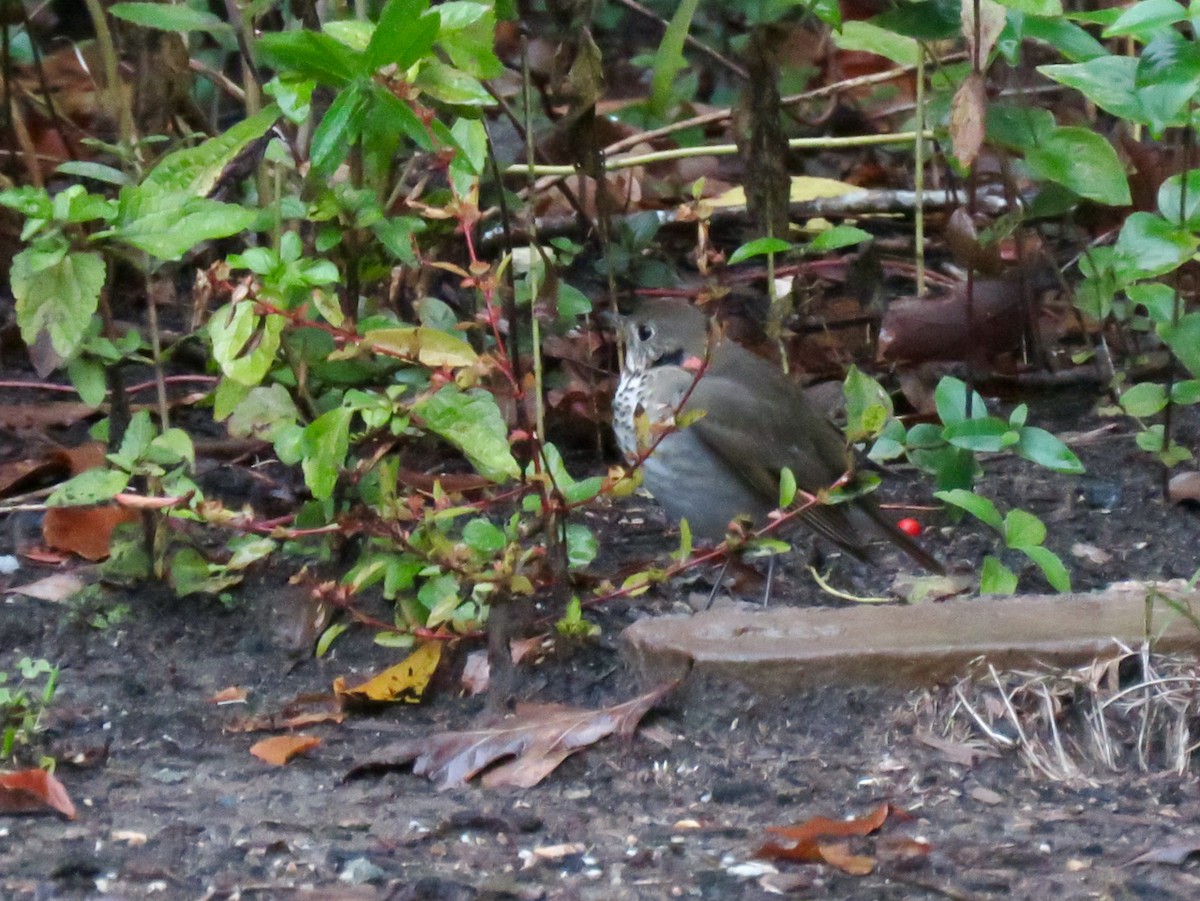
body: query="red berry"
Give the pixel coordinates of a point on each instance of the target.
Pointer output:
(909, 527)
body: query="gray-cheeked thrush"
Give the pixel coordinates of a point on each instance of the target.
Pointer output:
(755, 421)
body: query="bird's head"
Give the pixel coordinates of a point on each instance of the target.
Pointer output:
(664, 332)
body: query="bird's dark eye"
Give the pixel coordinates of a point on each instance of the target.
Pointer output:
(645, 332)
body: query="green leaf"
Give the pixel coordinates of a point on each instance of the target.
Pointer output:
(472, 422)
(758, 247)
(838, 237)
(1045, 449)
(1186, 392)
(243, 342)
(484, 537)
(340, 129)
(928, 20)
(979, 507)
(868, 406)
(873, 39)
(467, 36)
(1171, 200)
(429, 346)
(310, 54)
(1168, 74)
(403, 35)
(950, 397)
(1083, 161)
(262, 412)
(787, 488)
(1051, 566)
(582, 546)
(58, 299)
(450, 85)
(996, 578)
(195, 171)
(1150, 245)
(98, 171)
(1184, 341)
(166, 17)
(1069, 39)
(326, 442)
(984, 435)
(1144, 399)
(1157, 298)
(397, 115)
(87, 375)
(1107, 81)
(1022, 529)
(1146, 18)
(668, 60)
(94, 486)
(1034, 7)
(167, 225)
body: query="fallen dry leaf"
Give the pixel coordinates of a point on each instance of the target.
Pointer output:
(279, 749)
(406, 681)
(477, 671)
(232, 695)
(55, 588)
(303, 710)
(85, 531)
(34, 791)
(537, 736)
(38, 417)
(814, 841)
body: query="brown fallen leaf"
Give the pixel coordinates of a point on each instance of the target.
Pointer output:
(537, 736)
(37, 417)
(85, 531)
(34, 791)
(477, 671)
(303, 710)
(234, 694)
(55, 588)
(406, 681)
(810, 841)
(279, 749)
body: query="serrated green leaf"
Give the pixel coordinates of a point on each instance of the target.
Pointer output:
(428, 346)
(243, 342)
(166, 17)
(582, 545)
(484, 537)
(168, 225)
(668, 59)
(195, 171)
(326, 443)
(403, 34)
(94, 486)
(471, 421)
(59, 299)
(310, 54)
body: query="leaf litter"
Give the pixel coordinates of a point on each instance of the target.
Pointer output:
(521, 749)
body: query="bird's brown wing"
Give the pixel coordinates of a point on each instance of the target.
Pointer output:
(746, 430)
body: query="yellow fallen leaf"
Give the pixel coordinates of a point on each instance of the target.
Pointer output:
(804, 187)
(406, 681)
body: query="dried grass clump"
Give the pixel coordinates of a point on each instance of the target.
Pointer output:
(1133, 710)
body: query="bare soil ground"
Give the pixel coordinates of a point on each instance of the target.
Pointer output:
(178, 808)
